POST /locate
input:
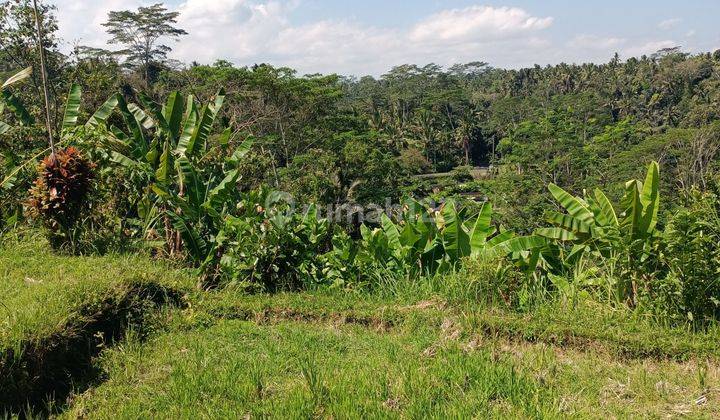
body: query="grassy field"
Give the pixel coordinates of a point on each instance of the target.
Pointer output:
(57, 314)
(125, 337)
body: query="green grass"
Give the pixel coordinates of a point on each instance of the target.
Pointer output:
(41, 294)
(298, 370)
(429, 351)
(56, 312)
(304, 355)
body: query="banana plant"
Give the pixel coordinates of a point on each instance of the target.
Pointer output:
(641, 205)
(166, 148)
(591, 225)
(431, 241)
(161, 138)
(198, 206)
(7, 98)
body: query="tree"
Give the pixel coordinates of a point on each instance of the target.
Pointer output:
(464, 132)
(141, 33)
(19, 49)
(17, 34)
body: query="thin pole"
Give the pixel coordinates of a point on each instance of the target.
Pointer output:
(44, 78)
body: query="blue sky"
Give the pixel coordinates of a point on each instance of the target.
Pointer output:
(371, 36)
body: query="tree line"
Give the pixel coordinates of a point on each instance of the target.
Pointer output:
(332, 138)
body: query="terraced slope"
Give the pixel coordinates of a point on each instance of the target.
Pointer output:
(57, 313)
(317, 355)
(119, 337)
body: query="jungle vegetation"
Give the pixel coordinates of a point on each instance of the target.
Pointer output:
(569, 186)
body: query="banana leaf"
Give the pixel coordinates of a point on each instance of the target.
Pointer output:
(222, 193)
(72, 107)
(17, 77)
(14, 104)
(142, 118)
(650, 198)
(103, 113)
(189, 127)
(196, 246)
(556, 233)
(456, 240)
(391, 231)
(482, 229)
(207, 119)
(607, 214)
(173, 113)
(134, 125)
(574, 206)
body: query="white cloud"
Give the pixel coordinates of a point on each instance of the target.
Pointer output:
(340, 45)
(477, 24)
(230, 29)
(669, 23)
(254, 31)
(648, 48)
(81, 21)
(245, 32)
(595, 42)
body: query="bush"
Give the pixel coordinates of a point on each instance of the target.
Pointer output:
(462, 174)
(273, 249)
(692, 255)
(413, 162)
(58, 196)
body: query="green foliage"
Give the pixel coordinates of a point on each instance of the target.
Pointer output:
(691, 252)
(491, 280)
(592, 227)
(183, 177)
(12, 102)
(274, 248)
(422, 241)
(72, 107)
(462, 174)
(10, 208)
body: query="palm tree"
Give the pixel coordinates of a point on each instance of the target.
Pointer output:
(426, 131)
(464, 133)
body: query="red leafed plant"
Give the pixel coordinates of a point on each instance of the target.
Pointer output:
(59, 193)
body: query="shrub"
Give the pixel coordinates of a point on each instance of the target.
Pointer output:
(462, 174)
(59, 193)
(273, 249)
(339, 265)
(692, 255)
(412, 161)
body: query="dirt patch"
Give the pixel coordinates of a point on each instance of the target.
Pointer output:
(621, 349)
(427, 304)
(275, 315)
